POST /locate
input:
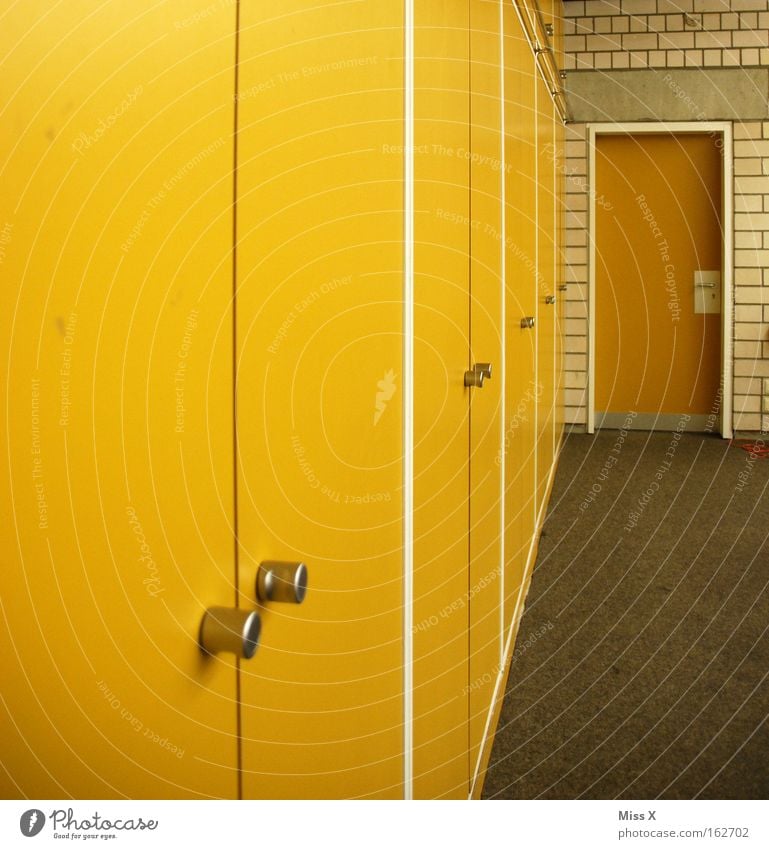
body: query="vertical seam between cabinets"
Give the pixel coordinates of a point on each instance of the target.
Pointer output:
(535, 335)
(408, 397)
(471, 357)
(503, 334)
(235, 526)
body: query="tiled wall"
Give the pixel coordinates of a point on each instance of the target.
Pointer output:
(575, 256)
(734, 32)
(666, 33)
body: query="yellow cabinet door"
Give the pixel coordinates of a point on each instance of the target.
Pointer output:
(487, 293)
(319, 397)
(546, 289)
(476, 249)
(441, 424)
(319, 394)
(459, 251)
(658, 225)
(522, 388)
(203, 356)
(116, 209)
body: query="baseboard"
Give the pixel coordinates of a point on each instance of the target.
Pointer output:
(681, 422)
(575, 427)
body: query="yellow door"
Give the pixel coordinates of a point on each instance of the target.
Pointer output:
(548, 272)
(657, 223)
(486, 578)
(441, 423)
(459, 243)
(546, 289)
(319, 380)
(521, 294)
(504, 504)
(558, 226)
(203, 361)
(116, 361)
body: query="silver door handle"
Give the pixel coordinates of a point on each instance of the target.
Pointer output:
(229, 629)
(527, 322)
(476, 375)
(706, 285)
(549, 299)
(278, 580)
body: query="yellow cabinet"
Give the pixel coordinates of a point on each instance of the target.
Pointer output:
(205, 259)
(521, 304)
(116, 360)
(486, 588)
(652, 248)
(547, 292)
(441, 405)
(319, 385)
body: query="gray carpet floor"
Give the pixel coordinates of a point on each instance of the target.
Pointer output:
(641, 669)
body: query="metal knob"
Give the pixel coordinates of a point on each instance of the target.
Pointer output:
(280, 581)
(476, 375)
(549, 299)
(562, 287)
(527, 322)
(228, 629)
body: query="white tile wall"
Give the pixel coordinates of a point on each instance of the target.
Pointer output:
(666, 33)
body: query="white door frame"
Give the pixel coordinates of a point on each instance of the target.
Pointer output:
(724, 130)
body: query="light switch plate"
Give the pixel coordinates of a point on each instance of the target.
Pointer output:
(707, 292)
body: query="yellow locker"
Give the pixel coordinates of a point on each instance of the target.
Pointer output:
(560, 258)
(659, 225)
(203, 259)
(521, 294)
(319, 377)
(441, 425)
(487, 171)
(546, 289)
(117, 503)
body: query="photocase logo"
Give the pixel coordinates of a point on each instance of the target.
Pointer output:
(32, 822)
(386, 388)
